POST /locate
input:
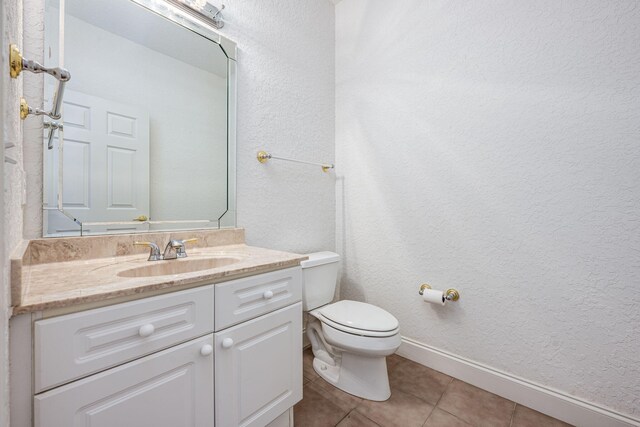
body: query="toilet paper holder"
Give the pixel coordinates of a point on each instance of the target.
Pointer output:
(450, 294)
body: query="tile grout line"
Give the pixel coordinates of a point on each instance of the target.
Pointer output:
(411, 393)
(342, 419)
(363, 415)
(443, 393)
(430, 415)
(438, 401)
(456, 417)
(463, 420)
(513, 414)
(326, 399)
(350, 410)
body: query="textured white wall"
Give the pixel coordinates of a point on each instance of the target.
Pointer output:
(33, 84)
(494, 147)
(285, 106)
(13, 177)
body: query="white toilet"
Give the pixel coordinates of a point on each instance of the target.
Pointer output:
(350, 339)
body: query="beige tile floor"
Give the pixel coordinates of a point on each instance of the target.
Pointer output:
(419, 397)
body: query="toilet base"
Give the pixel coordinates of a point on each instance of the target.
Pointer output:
(361, 376)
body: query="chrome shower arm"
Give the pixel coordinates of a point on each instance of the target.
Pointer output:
(60, 74)
(17, 63)
(57, 101)
(55, 110)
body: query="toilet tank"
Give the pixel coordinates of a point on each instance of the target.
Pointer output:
(319, 279)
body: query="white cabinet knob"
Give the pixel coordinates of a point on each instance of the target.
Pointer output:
(146, 330)
(206, 350)
(227, 343)
(268, 294)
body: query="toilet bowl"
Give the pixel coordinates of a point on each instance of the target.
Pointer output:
(349, 339)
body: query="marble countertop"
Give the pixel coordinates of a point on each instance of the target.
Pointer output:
(61, 284)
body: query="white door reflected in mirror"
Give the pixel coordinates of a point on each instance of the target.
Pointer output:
(106, 162)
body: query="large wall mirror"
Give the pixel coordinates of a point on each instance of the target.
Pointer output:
(148, 137)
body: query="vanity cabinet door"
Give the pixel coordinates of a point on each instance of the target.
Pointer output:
(170, 388)
(258, 367)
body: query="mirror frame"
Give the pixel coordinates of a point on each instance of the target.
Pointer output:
(174, 13)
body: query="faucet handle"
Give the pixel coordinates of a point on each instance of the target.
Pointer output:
(181, 251)
(154, 254)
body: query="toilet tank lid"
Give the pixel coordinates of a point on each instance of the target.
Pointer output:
(319, 258)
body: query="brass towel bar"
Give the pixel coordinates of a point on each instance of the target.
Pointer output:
(263, 157)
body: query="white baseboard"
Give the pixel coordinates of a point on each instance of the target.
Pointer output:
(551, 402)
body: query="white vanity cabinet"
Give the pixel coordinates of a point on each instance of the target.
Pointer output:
(228, 354)
(258, 372)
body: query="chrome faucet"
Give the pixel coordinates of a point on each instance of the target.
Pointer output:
(174, 249)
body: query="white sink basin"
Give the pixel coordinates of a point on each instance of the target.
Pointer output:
(178, 266)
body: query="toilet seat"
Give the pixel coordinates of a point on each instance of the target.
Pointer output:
(361, 344)
(358, 318)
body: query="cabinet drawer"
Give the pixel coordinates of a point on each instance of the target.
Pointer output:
(167, 389)
(75, 345)
(244, 299)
